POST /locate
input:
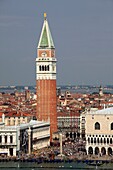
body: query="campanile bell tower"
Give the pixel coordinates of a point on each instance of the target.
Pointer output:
(46, 78)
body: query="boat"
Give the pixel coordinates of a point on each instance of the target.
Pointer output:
(94, 163)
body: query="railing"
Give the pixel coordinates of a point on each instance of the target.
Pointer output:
(6, 144)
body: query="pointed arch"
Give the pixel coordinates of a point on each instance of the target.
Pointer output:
(95, 140)
(96, 150)
(103, 151)
(101, 141)
(91, 140)
(90, 150)
(104, 140)
(107, 140)
(109, 151)
(111, 141)
(88, 140)
(98, 140)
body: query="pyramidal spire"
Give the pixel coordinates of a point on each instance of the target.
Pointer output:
(45, 40)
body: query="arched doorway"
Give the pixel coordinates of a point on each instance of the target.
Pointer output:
(103, 151)
(90, 150)
(96, 150)
(109, 151)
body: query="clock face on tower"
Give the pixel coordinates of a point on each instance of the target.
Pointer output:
(44, 54)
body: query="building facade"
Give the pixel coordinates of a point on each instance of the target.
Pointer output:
(39, 135)
(99, 132)
(14, 119)
(46, 79)
(25, 138)
(69, 124)
(8, 140)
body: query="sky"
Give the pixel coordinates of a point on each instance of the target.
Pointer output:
(82, 31)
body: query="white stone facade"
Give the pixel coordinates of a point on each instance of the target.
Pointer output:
(14, 141)
(41, 136)
(99, 132)
(8, 140)
(46, 68)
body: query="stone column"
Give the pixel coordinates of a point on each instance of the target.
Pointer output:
(3, 118)
(8, 139)
(106, 148)
(93, 150)
(87, 149)
(99, 150)
(29, 141)
(3, 139)
(60, 138)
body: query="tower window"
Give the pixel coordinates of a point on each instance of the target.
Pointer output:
(39, 68)
(48, 68)
(97, 126)
(45, 68)
(42, 68)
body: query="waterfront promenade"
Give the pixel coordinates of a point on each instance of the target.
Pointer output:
(71, 152)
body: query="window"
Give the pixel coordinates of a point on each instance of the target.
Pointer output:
(111, 126)
(94, 140)
(45, 68)
(39, 68)
(98, 140)
(48, 68)
(42, 68)
(91, 140)
(101, 141)
(110, 140)
(104, 140)
(88, 140)
(11, 139)
(97, 126)
(0, 139)
(5, 139)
